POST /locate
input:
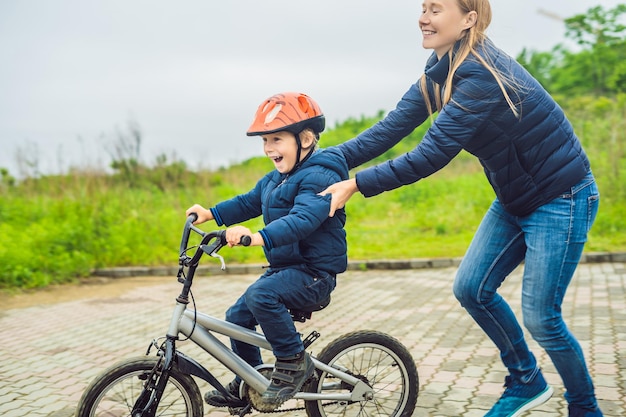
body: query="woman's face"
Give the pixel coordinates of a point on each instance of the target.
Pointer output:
(442, 23)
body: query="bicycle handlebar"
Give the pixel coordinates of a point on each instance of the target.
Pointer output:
(186, 230)
(219, 237)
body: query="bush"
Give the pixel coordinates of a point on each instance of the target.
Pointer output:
(55, 229)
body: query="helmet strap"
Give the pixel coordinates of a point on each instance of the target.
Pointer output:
(299, 155)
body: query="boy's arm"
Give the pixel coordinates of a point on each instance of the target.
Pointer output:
(308, 213)
(240, 208)
(235, 233)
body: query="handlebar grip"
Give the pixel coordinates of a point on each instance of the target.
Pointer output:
(186, 230)
(245, 240)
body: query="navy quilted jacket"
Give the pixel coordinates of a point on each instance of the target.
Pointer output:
(529, 160)
(297, 228)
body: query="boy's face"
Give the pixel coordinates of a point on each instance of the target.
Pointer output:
(281, 147)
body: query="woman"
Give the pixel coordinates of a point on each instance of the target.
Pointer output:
(547, 198)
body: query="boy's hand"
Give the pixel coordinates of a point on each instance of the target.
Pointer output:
(203, 214)
(341, 193)
(235, 233)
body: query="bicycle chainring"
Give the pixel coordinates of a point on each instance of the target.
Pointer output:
(255, 399)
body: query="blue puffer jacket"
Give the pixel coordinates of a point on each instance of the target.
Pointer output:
(528, 161)
(297, 228)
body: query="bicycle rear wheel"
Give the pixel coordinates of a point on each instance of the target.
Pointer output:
(379, 360)
(115, 391)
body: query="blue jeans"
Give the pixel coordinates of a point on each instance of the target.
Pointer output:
(550, 242)
(266, 303)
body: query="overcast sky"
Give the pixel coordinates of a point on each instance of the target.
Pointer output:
(191, 73)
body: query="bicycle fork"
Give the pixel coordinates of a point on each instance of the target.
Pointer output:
(150, 396)
(148, 401)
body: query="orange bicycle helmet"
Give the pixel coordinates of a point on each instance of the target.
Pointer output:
(289, 111)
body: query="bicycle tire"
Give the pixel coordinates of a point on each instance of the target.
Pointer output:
(378, 359)
(116, 389)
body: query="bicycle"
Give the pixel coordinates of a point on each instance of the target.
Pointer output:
(362, 373)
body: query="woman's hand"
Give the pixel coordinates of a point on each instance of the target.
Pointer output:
(341, 193)
(203, 214)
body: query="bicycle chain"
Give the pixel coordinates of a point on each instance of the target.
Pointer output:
(280, 410)
(286, 410)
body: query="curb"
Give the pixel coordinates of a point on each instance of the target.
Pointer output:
(382, 264)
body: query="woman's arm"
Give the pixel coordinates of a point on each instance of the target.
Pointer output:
(409, 113)
(476, 100)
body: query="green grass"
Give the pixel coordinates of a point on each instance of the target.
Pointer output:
(57, 229)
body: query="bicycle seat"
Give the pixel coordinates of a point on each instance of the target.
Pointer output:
(302, 314)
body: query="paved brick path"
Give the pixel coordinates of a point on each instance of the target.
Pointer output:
(49, 353)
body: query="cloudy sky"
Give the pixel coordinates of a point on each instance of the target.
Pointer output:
(191, 73)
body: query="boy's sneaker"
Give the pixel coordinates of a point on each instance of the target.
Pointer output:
(217, 399)
(519, 397)
(575, 411)
(288, 377)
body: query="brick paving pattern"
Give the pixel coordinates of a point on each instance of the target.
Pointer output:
(51, 352)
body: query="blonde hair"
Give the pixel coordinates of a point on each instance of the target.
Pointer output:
(309, 134)
(473, 37)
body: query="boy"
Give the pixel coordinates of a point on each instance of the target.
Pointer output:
(305, 248)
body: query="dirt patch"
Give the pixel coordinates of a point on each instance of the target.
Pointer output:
(97, 287)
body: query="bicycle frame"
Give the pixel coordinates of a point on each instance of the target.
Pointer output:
(366, 369)
(199, 328)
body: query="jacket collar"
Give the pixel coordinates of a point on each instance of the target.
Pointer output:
(438, 69)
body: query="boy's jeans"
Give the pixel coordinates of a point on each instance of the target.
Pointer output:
(550, 242)
(265, 302)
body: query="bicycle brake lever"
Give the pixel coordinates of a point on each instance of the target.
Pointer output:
(221, 258)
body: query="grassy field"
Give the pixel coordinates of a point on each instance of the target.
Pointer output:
(56, 229)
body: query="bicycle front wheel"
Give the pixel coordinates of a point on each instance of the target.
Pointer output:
(379, 360)
(115, 391)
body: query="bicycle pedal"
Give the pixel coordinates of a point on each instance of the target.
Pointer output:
(240, 411)
(312, 337)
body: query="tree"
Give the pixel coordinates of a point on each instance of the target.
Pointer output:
(601, 34)
(597, 27)
(597, 68)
